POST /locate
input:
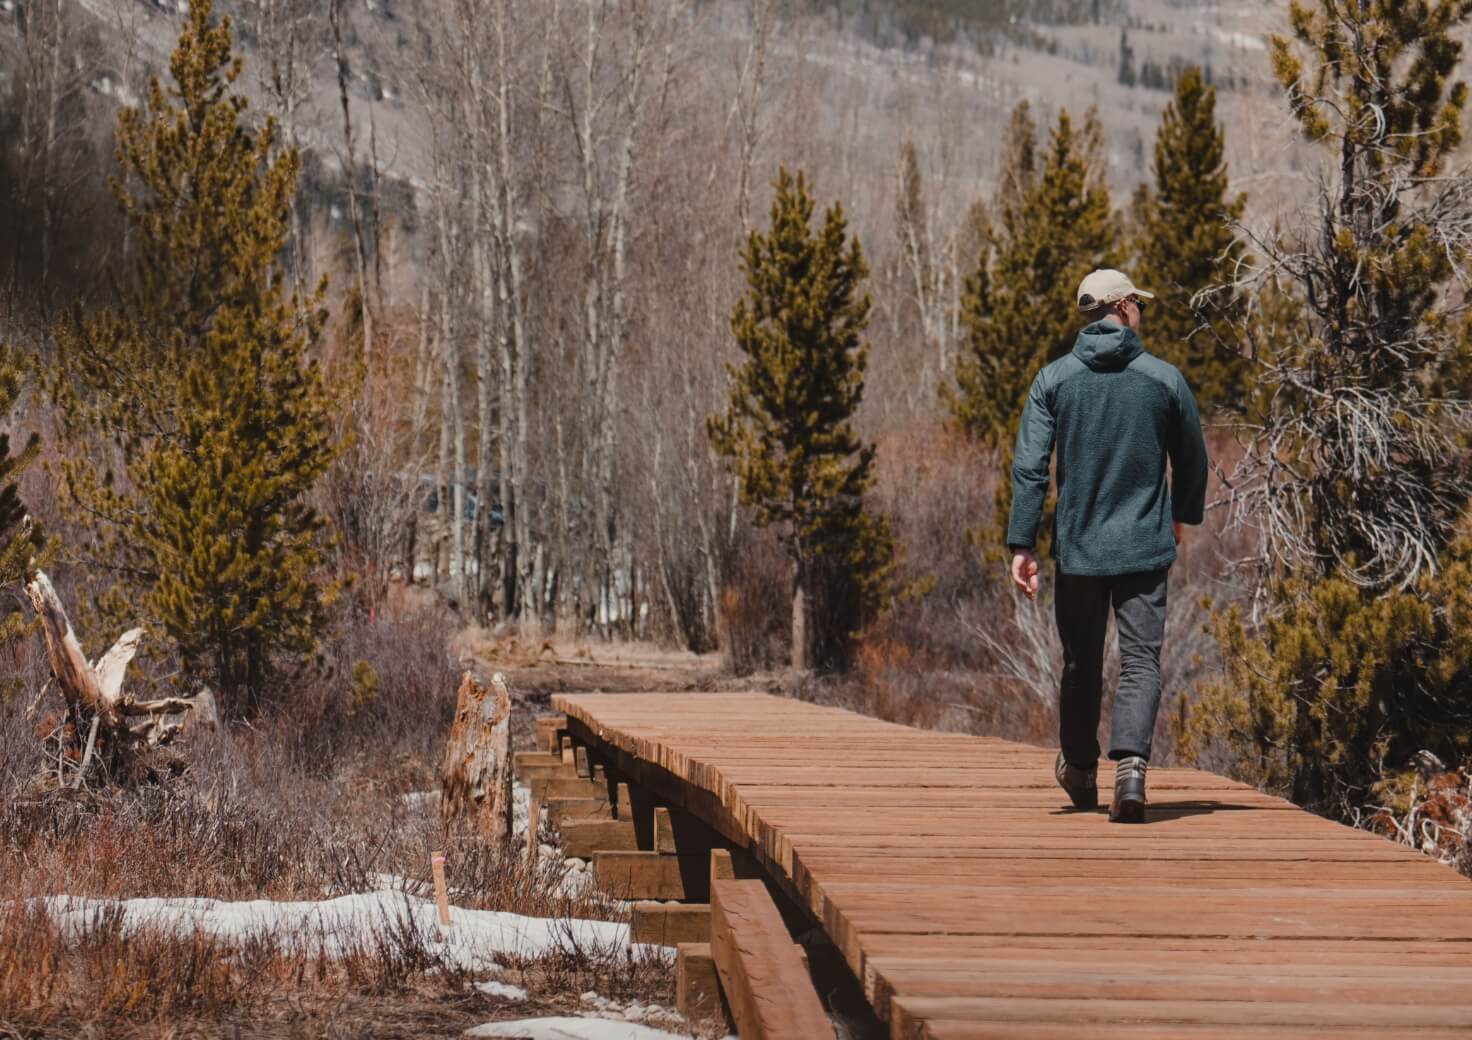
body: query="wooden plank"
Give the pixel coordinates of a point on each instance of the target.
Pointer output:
(536, 772)
(582, 838)
(770, 995)
(969, 902)
(560, 809)
(912, 1012)
(669, 924)
(522, 759)
(698, 987)
(648, 875)
(566, 787)
(548, 728)
(951, 1030)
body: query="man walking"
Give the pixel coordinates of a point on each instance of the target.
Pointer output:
(1116, 414)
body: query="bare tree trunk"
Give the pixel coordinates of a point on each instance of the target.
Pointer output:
(349, 169)
(800, 627)
(285, 39)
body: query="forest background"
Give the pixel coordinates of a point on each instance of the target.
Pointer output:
(531, 219)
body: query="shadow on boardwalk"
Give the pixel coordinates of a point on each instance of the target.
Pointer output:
(1160, 812)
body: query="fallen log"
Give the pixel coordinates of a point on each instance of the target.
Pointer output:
(475, 782)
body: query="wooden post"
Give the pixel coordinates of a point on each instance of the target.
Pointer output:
(721, 867)
(441, 891)
(697, 986)
(533, 824)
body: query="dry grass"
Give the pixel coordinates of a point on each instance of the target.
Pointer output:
(304, 803)
(140, 983)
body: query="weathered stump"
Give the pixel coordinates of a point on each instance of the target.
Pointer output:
(121, 732)
(475, 782)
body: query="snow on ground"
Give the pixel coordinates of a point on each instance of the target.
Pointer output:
(502, 990)
(474, 939)
(571, 1029)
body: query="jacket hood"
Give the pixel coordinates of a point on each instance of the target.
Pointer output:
(1107, 347)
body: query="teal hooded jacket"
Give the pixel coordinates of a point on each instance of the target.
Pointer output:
(1115, 414)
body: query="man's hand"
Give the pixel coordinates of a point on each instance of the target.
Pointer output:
(1177, 529)
(1025, 573)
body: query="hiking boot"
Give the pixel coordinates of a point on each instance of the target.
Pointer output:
(1129, 791)
(1082, 785)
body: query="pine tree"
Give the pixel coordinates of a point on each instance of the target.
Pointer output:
(1357, 476)
(788, 428)
(1186, 245)
(20, 537)
(206, 422)
(1019, 308)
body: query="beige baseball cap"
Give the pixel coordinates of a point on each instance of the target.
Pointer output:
(1107, 286)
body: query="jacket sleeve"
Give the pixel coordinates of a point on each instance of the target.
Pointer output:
(1187, 449)
(1030, 458)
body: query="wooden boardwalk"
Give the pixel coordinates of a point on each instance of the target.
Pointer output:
(972, 904)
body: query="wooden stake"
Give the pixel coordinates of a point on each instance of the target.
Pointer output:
(533, 825)
(441, 893)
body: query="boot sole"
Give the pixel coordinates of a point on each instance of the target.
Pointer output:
(1129, 810)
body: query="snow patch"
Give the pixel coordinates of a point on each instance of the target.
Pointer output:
(503, 990)
(474, 939)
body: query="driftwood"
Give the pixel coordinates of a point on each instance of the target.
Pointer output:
(119, 729)
(476, 779)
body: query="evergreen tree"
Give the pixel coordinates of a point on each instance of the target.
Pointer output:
(20, 537)
(788, 428)
(1186, 245)
(206, 421)
(1357, 477)
(1019, 308)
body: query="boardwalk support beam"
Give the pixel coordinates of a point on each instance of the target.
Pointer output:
(766, 984)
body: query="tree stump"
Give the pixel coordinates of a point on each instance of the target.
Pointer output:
(475, 782)
(120, 732)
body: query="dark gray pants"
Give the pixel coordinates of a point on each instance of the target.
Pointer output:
(1081, 605)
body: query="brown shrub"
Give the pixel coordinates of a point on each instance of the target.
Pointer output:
(937, 490)
(756, 604)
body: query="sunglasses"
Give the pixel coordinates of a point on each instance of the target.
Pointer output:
(1139, 303)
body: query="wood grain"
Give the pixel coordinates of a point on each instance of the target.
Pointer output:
(971, 902)
(763, 977)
